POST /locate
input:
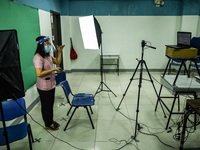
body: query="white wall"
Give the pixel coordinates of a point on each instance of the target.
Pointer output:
(45, 23)
(65, 26)
(123, 34)
(198, 27)
(190, 24)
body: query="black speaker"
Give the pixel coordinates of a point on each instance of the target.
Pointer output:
(11, 81)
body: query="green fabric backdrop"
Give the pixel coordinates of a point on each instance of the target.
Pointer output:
(26, 21)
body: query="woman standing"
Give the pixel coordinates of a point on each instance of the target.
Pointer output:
(46, 83)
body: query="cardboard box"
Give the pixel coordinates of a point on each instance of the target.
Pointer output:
(181, 53)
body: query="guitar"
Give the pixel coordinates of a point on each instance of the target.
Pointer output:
(73, 54)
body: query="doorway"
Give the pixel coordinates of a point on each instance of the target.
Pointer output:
(56, 32)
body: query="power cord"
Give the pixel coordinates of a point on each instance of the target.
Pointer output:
(47, 130)
(127, 142)
(151, 134)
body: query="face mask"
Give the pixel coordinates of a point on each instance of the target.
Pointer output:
(47, 48)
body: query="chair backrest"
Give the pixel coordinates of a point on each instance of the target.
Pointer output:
(66, 88)
(60, 76)
(195, 42)
(13, 109)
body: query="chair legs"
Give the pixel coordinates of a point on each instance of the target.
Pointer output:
(69, 111)
(171, 111)
(89, 116)
(74, 112)
(30, 136)
(91, 110)
(70, 117)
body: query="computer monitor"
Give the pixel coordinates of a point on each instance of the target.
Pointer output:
(184, 38)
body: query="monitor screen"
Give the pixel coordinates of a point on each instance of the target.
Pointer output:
(183, 38)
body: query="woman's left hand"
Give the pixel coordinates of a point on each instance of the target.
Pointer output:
(60, 48)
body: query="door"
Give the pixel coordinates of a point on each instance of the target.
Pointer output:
(56, 32)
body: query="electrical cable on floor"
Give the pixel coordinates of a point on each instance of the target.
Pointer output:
(151, 134)
(48, 131)
(158, 139)
(177, 133)
(127, 143)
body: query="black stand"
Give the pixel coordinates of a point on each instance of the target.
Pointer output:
(100, 88)
(5, 133)
(141, 63)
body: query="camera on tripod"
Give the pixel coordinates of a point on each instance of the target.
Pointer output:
(143, 43)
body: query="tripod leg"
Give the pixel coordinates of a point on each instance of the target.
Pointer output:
(170, 114)
(138, 100)
(110, 90)
(128, 85)
(158, 98)
(97, 89)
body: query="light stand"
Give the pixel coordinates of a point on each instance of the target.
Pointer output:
(11, 81)
(100, 87)
(92, 39)
(5, 133)
(140, 63)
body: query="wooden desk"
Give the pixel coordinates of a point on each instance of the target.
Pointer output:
(191, 106)
(111, 56)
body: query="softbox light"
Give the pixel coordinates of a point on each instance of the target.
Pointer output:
(91, 32)
(11, 81)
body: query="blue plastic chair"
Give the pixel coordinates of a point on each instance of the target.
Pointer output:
(195, 42)
(175, 62)
(79, 100)
(60, 76)
(192, 64)
(12, 110)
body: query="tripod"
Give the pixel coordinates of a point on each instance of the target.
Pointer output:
(100, 87)
(141, 63)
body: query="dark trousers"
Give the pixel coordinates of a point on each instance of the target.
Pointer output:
(47, 101)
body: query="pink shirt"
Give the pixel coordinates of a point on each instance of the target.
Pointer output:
(47, 82)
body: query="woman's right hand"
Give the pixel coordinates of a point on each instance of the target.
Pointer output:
(58, 69)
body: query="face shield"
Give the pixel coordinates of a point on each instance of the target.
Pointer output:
(41, 41)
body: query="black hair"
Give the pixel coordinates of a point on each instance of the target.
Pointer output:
(40, 47)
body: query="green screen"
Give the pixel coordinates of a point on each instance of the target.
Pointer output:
(26, 21)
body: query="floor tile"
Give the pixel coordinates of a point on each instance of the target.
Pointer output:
(114, 117)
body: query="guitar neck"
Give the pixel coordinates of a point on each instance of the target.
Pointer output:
(71, 42)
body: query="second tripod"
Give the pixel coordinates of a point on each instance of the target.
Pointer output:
(141, 63)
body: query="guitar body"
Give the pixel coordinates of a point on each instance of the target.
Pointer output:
(73, 54)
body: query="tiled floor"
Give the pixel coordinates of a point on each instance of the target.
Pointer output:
(113, 129)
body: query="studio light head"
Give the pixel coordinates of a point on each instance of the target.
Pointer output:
(91, 32)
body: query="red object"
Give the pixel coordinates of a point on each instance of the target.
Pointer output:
(73, 54)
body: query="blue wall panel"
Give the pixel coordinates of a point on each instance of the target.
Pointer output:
(46, 5)
(117, 7)
(64, 7)
(124, 8)
(191, 7)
